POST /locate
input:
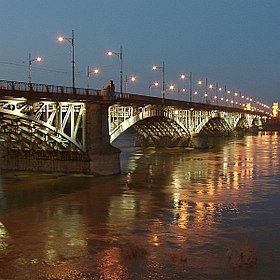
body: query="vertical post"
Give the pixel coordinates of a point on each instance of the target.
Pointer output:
(190, 86)
(217, 90)
(206, 90)
(163, 82)
(88, 73)
(29, 65)
(121, 70)
(73, 60)
(71, 40)
(225, 98)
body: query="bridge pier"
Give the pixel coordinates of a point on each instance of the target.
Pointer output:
(199, 141)
(104, 158)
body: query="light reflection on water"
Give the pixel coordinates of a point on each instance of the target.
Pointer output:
(172, 214)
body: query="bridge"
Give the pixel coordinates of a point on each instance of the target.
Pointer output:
(63, 129)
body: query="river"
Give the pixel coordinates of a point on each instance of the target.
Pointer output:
(171, 214)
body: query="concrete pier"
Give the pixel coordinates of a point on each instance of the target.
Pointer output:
(199, 141)
(104, 159)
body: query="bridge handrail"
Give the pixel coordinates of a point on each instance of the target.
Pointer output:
(7, 85)
(46, 88)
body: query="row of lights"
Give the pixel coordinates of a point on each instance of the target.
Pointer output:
(96, 71)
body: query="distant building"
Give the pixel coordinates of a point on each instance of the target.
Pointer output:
(275, 111)
(248, 106)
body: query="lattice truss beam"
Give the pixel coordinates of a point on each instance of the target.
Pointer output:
(216, 126)
(155, 129)
(192, 121)
(42, 125)
(168, 122)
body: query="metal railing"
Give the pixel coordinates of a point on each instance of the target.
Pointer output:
(6, 85)
(44, 88)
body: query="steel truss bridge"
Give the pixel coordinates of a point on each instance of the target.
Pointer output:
(173, 125)
(47, 120)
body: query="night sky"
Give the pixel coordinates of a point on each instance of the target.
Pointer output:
(235, 43)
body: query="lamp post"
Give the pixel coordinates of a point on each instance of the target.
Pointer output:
(190, 86)
(72, 42)
(91, 72)
(30, 61)
(218, 91)
(206, 89)
(156, 67)
(184, 77)
(227, 97)
(120, 55)
(132, 79)
(151, 85)
(236, 95)
(172, 87)
(232, 100)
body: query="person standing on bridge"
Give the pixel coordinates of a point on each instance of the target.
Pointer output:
(111, 88)
(109, 91)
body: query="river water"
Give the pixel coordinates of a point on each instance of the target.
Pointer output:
(172, 214)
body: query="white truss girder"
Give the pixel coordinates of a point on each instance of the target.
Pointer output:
(192, 121)
(46, 125)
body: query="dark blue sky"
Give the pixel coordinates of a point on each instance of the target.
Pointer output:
(233, 42)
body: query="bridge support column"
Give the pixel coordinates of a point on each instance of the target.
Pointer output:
(199, 141)
(104, 158)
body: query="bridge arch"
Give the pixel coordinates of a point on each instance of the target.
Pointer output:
(216, 126)
(257, 121)
(166, 131)
(160, 131)
(194, 122)
(242, 123)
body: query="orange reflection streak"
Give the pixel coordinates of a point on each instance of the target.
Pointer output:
(110, 266)
(156, 232)
(233, 169)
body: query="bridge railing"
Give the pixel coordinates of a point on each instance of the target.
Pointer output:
(44, 88)
(92, 94)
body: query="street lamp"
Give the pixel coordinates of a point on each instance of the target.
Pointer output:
(211, 88)
(172, 87)
(156, 67)
(132, 79)
(206, 88)
(30, 61)
(184, 77)
(91, 72)
(235, 95)
(71, 41)
(120, 55)
(218, 91)
(151, 85)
